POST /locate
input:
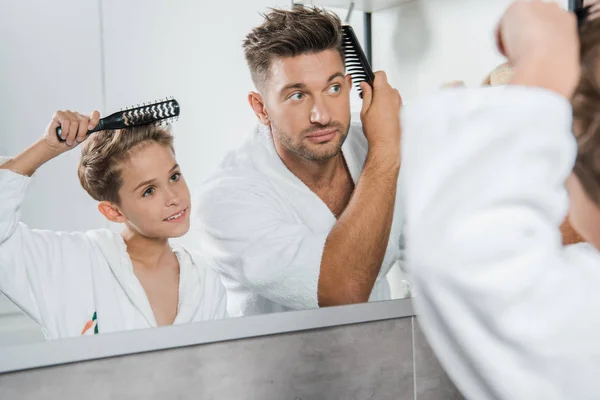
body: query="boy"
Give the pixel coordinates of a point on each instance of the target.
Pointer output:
(98, 281)
(510, 311)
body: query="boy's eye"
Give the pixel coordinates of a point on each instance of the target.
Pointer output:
(148, 192)
(176, 176)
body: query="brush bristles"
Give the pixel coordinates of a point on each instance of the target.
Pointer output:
(150, 113)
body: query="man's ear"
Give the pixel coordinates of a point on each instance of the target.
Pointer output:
(111, 212)
(258, 106)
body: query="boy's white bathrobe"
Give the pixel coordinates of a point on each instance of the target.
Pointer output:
(510, 312)
(265, 230)
(83, 283)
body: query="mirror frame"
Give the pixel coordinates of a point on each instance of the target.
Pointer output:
(87, 348)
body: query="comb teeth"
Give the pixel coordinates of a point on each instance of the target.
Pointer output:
(582, 15)
(151, 112)
(355, 60)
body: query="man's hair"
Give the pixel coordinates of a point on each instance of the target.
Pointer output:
(290, 33)
(104, 153)
(586, 112)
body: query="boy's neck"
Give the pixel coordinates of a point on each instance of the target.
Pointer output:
(149, 252)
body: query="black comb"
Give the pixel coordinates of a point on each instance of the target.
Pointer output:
(145, 114)
(355, 60)
(581, 12)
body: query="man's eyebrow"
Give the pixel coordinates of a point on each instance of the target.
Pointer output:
(303, 86)
(293, 86)
(336, 75)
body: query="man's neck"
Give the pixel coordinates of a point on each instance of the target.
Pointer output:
(144, 251)
(314, 174)
(329, 179)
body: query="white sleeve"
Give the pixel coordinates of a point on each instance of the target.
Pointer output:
(510, 313)
(248, 238)
(33, 268)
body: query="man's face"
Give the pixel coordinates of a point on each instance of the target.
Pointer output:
(307, 99)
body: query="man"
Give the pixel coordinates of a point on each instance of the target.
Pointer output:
(305, 213)
(509, 310)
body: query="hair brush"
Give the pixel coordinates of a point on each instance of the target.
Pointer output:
(145, 114)
(355, 60)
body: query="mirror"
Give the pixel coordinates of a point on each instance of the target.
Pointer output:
(108, 55)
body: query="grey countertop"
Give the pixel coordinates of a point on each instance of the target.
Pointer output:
(55, 352)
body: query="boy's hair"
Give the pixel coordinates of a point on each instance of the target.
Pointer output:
(290, 33)
(104, 153)
(586, 112)
(500, 75)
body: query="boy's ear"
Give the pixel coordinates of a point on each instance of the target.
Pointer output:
(111, 212)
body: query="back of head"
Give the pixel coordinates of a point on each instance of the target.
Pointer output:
(104, 153)
(586, 112)
(501, 75)
(289, 33)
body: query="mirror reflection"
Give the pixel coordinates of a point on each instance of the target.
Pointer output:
(277, 189)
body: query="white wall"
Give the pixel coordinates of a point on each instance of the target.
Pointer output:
(426, 43)
(50, 60)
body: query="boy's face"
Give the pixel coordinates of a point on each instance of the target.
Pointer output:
(155, 198)
(307, 99)
(584, 214)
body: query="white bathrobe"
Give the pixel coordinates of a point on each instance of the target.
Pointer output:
(83, 283)
(265, 230)
(510, 312)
